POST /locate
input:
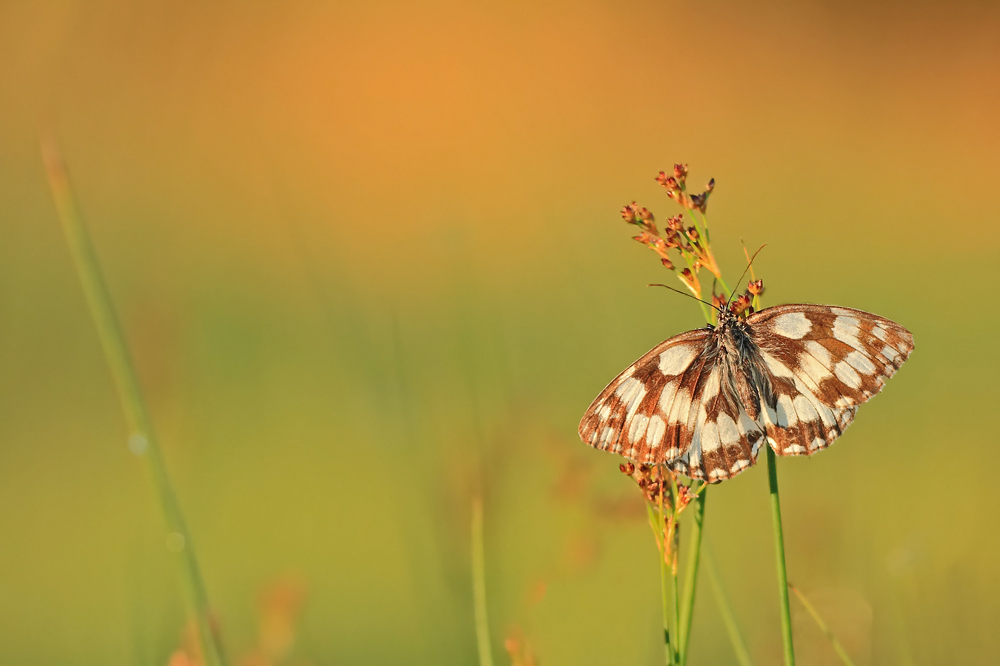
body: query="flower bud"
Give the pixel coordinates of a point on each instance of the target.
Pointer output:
(740, 304)
(668, 182)
(756, 287)
(628, 213)
(680, 172)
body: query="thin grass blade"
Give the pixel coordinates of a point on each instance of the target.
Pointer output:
(142, 440)
(837, 646)
(726, 609)
(479, 585)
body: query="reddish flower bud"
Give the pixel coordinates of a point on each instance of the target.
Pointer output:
(628, 212)
(692, 233)
(645, 215)
(668, 182)
(680, 172)
(627, 469)
(756, 287)
(676, 222)
(718, 300)
(740, 304)
(666, 262)
(710, 186)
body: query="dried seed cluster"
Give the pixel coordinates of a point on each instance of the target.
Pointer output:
(690, 242)
(655, 481)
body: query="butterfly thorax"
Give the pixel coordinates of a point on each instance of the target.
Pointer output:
(743, 378)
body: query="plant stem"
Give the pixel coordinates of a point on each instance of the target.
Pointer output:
(838, 648)
(142, 440)
(726, 609)
(674, 536)
(479, 585)
(691, 575)
(664, 591)
(779, 546)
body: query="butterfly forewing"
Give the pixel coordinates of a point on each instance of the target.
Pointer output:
(642, 414)
(824, 361)
(703, 402)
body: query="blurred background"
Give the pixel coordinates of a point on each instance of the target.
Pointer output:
(370, 262)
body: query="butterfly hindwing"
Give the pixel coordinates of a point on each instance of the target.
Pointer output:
(724, 438)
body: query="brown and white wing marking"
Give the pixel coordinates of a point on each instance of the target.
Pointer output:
(643, 414)
(824, 362)
(725, 440)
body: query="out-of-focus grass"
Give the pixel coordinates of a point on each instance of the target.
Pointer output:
(364, 252)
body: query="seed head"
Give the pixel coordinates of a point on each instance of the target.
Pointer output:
(628, 213)
(740, 304)
(669, 183)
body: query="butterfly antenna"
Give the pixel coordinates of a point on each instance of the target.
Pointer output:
(684, 293)
(749, 263)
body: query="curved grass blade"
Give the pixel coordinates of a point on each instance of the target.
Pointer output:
(726, 609)
(837, 646)
(142, 440)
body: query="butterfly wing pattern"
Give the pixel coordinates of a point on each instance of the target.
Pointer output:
(703, 402)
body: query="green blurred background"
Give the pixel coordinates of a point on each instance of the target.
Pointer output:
(370, 262)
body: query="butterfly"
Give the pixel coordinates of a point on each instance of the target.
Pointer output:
(705, 401)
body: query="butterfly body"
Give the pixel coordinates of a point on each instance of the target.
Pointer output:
(703, 402)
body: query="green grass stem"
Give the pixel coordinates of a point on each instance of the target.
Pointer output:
(479, 585)
(142, 440)
(674, 536)
(661, 537)
(837, 646)
(691, 575)
(726, 610)
(779, 547)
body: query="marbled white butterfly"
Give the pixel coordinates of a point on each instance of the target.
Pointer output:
(704, 401)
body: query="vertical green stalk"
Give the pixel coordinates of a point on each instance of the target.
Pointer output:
(674, 546)
(661, 536)
(691, 574)
(779, 546)
(728, 616)
(142, 440)
(479, 585)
